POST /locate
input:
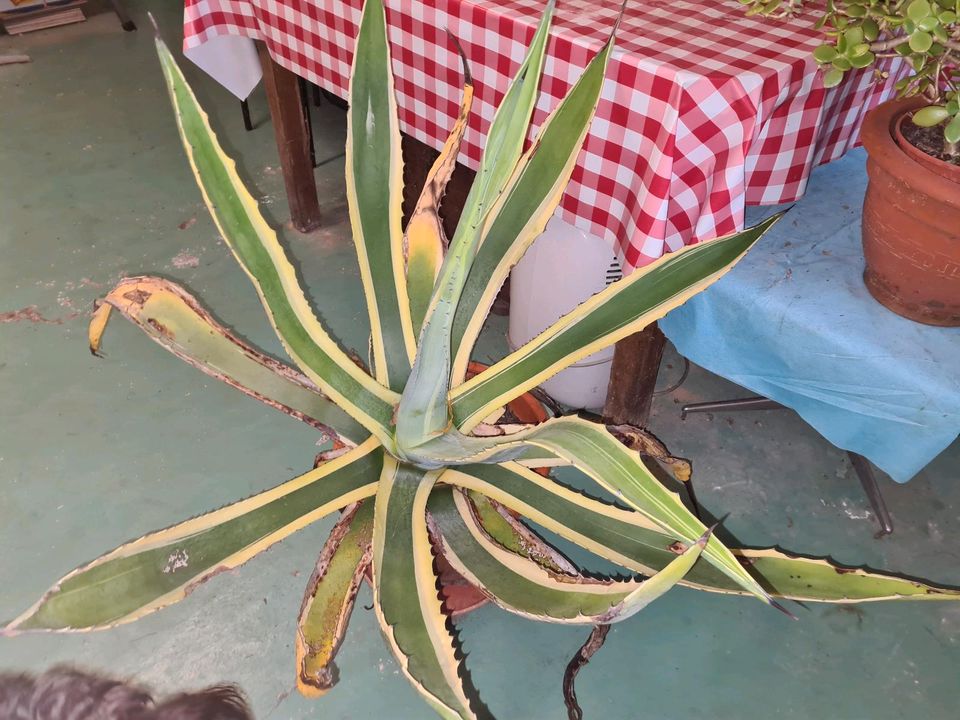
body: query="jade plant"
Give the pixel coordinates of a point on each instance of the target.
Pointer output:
(926, 33)
(421, 466)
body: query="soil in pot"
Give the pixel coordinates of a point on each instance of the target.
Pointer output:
(928, 140)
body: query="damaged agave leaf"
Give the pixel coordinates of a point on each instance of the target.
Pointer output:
(163, 567)
(646, 443)
(424, 240)
(330, 597)
(176, 320)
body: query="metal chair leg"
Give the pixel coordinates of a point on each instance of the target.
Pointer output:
(860, 464)
(740, 404)
(752, 403)
(868, 480)
(245, 110)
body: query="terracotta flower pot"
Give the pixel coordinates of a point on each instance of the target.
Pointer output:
(458, 595)
(911, 222)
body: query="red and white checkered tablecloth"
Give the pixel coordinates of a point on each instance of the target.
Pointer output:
(704, 109)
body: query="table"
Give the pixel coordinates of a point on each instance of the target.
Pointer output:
(809, 336)
(705, 110)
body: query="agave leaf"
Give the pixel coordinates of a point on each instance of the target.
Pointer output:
(629, 539)
(508, 130)
(175, 320)
(329, 599)
(646, 443)
(622, 536)
(163, 567)
(511, 534)
(259, 252)
(374, 196)
(522, 586)
(622, 308)
(593, 450)
(405, 589)
(817, 580)
(424, 240)
(423, 412)
(527, 204)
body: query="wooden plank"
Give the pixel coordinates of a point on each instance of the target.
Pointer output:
(30, 24)
(41, 17)
(293, 142)
(633, 376)
(39, 9)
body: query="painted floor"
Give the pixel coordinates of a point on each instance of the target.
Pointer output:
(94, 186)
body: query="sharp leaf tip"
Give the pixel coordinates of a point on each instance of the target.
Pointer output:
(781, 608)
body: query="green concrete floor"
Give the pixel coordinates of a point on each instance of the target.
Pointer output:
(96, 451)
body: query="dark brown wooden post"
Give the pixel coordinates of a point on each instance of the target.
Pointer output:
(293, 142)
(633, 376)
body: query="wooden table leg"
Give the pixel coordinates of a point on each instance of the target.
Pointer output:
(633, 376)
(125, 22)
(293, 141)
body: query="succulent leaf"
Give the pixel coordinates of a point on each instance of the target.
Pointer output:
(523, 586)
(375, 195)
(424, 411)
(622, 308)
(256, 247)
(527, 204)
(405, 590)
(163, 567)
(175, 320)
(424, 239)
(330, 596)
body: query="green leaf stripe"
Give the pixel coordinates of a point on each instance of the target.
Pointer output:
(374, 195)
(405, 589)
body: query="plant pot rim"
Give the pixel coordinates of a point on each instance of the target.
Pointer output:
(878, 136)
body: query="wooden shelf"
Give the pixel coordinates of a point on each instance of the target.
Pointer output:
(40, 17)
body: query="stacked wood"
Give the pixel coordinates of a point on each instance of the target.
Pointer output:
(24, 16)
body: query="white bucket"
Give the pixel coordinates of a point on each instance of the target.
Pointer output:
(563, 268)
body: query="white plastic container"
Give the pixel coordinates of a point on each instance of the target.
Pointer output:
(563, 267)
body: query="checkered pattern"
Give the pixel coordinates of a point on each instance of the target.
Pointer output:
(704, 109)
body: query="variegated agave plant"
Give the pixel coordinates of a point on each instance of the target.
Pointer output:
(421, 469)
